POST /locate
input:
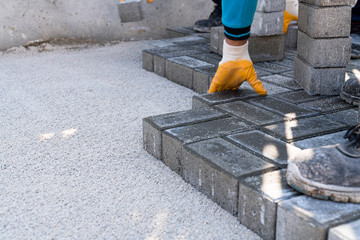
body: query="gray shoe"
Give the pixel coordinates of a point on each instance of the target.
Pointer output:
(350, 91)
(330, 172)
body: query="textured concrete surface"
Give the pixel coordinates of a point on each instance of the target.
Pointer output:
(94, 20)
(72, 162)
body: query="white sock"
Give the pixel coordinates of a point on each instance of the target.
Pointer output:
(292, 7)
(231, 53)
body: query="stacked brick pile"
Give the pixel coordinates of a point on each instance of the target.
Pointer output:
(324, 45)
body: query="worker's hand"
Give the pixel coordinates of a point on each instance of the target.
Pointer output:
(231, 74)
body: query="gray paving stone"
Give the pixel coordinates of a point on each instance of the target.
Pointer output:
(153, 126)
(265, 146)
(172, 48)
(215, 166)
(180, 69)
(258, 200)
(338, 51)
(327, 3)
(308, 218)
(204, 47)
(160, 44)
(173, 139)
(291, 36)
(147, 61)
(318, 22)
(202, 79)
(286, 62)
(299, 129)
(288, 74)
(270, 88)
(347, 231)
(326, 105)
(297, 97)
(322, 81)
(130, 11)
(179, 32)
(210, 58)
(268, 23)
(283, 81)
(319, 141)
(349, 117)
(285, 109)
(214, 39)
(160, 59)
(222, 97)
(270, 6)
(290, 54)
(250, 113)
(187, 40)
(272, 67)
(262, 73)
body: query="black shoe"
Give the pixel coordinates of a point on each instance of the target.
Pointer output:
(330, 172)
(350, 91)
(214, 20)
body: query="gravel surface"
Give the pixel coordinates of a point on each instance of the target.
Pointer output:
(72, 163)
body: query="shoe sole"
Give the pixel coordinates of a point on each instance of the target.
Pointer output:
(349, 99)
(321, 191)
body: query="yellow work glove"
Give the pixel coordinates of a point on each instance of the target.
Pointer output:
(290, 13)
(235, 68)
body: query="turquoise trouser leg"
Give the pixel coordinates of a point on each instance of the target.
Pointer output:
(237, 17)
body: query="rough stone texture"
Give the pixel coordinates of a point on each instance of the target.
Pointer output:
(153, 126)
(270, 88)
(334, 52)
(270, 6)
(202, 79)
(291, 36)
(348, 231)
(263, 145)
(214, 167)
(261, 48)
(308, 218)
(322, 81)
(286, 62)
(258, 200)
(328, 3)
(130, 11)
(297, 97)
(326, 105)
(173, 139)
(188, 40)
(282, 81)
(299, 129)
(268, 24)
(250, 113)
(285, 109)
(180, 69)
(319, 22)
(315, 142)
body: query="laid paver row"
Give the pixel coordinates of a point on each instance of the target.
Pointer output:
(234, 146)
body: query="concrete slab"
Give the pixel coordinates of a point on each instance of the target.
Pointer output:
(265, 146)
(319, 141)
(273, 68)
(250, 113)
(173, 139)
(282, 81)
(349, 117)
(153, 126)
(215, 166)
(299, 129)
(285, 109)
(326, 105)
(297, 97)
(258, 200)
(312, 218)
(202, 79)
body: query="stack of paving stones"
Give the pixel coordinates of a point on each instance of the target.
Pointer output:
(234, 146)
(324, 45)
(267, 41)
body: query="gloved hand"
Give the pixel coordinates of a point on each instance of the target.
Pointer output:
(235, 68)
(290, 13)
